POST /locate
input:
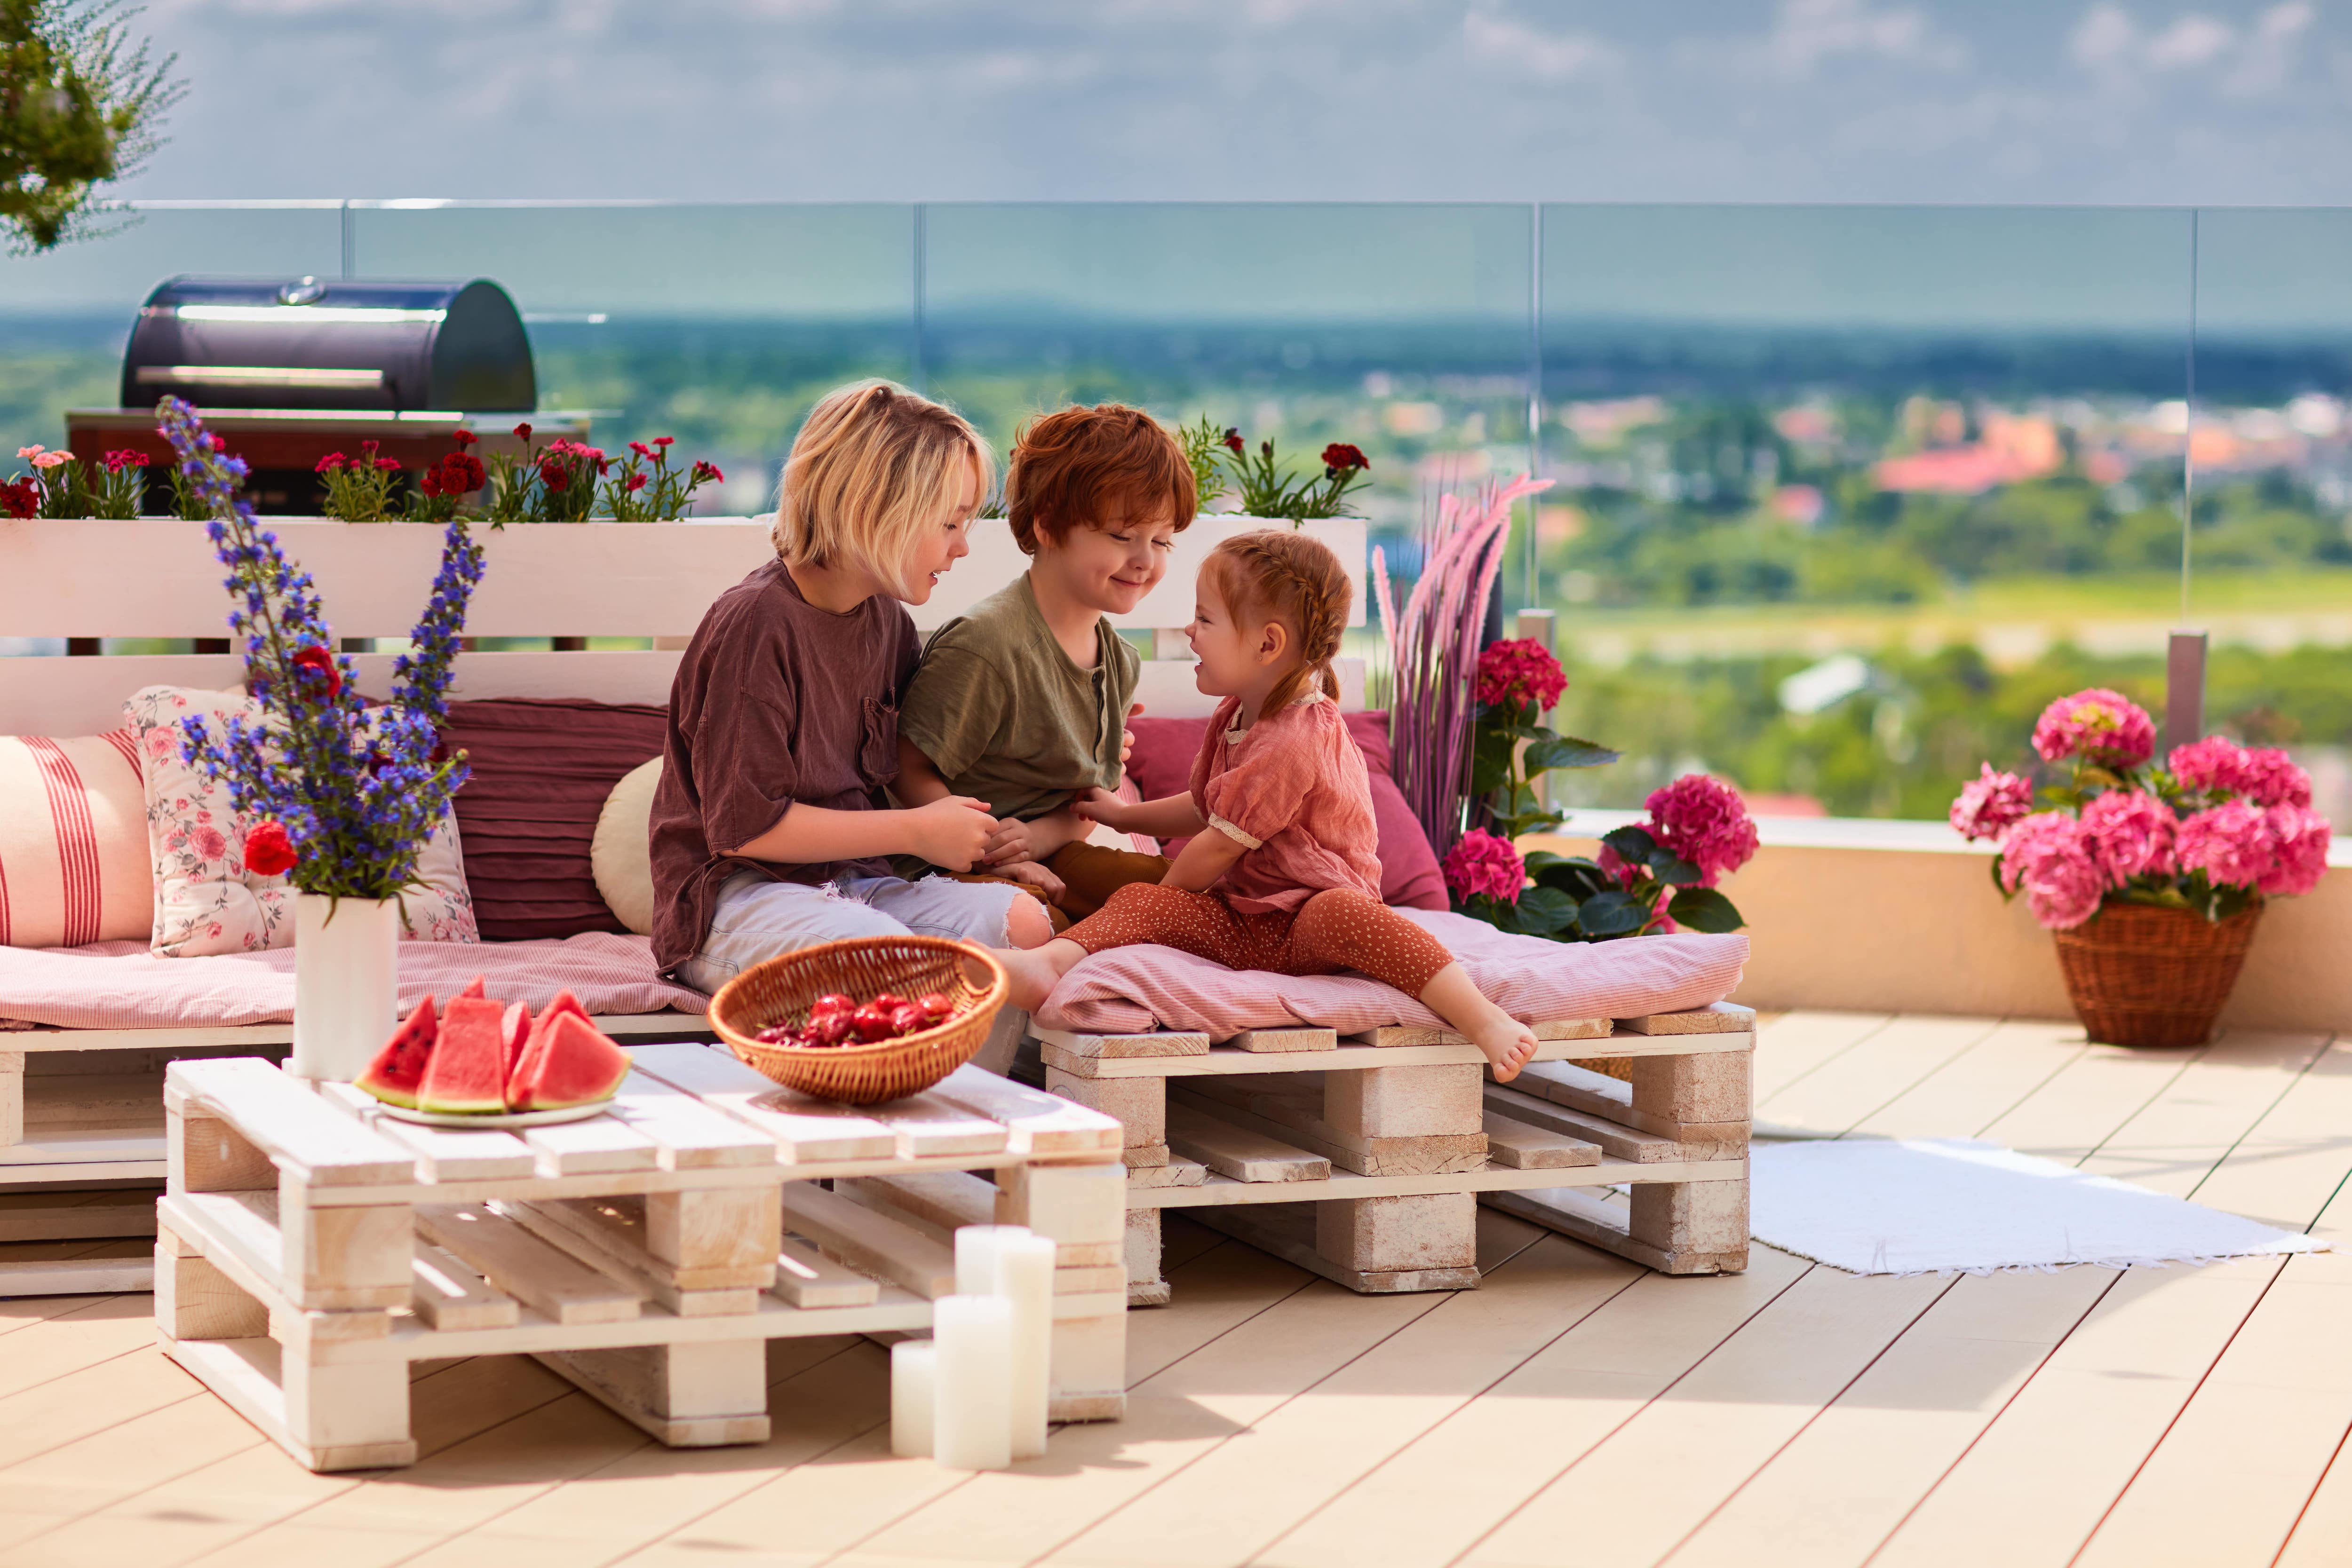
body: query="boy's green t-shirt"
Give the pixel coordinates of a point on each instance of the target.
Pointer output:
(1006, 717)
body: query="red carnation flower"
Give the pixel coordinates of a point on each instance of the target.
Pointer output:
(464, 438)
(461, 472)
(388, 465)
(314, 661)
(269, 852)
(642, 450)
(522, 433)
(552, 475)
(636, 483)
(116, 462)
(430, 483)
(329, 463)
(1341, 455)
(218, 444)
(1233, 438)
(21, 498)
(370, 448)
(707, 473)
(665, 440)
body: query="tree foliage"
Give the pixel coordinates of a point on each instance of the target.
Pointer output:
(80, 102)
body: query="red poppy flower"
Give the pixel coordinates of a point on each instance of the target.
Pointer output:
(269, 852)
(1232, 438)
(329, 463)
(315, 663)
(1341, 455)
(464, 438)
(522, 433)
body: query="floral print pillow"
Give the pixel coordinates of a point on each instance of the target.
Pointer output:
(205, 900)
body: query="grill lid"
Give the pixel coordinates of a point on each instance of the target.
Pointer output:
(304, 343)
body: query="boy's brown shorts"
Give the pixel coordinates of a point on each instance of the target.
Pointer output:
(1091, 874)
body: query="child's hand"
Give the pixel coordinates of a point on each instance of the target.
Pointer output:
(1127, 739)
(1018, 842)
(953, 831)
(1101, 806)
(1036, 876)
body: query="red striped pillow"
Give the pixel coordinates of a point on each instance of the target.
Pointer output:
(73, 841)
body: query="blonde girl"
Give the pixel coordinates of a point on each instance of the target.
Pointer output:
(770, 824)
(1281, 873)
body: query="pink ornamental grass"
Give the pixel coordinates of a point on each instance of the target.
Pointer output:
(1993, 805)
(2097, 724)
(2232, 843)
(1702, 820)
(2129, 833)
(1519, 670)
(1481, 864)
(2048, 858)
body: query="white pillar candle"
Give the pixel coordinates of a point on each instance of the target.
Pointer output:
(976, 1250)
(973, 1389)
(1024, 1278)
(914, 1364)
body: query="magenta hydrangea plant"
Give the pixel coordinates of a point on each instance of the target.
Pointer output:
(2217, 828)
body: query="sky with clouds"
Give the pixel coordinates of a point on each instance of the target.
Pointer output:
(1799, 101)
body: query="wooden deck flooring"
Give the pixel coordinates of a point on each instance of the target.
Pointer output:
(1575, 1410)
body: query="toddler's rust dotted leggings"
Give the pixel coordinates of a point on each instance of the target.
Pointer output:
(1334, 930)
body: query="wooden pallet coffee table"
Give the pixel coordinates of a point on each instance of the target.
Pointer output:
(309, 1247)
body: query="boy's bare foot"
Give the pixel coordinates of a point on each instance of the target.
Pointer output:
(1035, 971)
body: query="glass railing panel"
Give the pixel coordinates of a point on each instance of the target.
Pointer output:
(65, 316)
(2271, 573)
(1400, 329)
(718, 324)
(1846, 494)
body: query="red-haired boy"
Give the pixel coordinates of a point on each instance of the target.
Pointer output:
(1023, 702)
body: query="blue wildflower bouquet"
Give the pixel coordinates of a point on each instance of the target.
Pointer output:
(345, 794)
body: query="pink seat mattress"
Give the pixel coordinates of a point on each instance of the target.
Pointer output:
(120, 985)
(1127, 990)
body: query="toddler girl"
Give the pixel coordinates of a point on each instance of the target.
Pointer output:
(1280, 873)
(770, 824)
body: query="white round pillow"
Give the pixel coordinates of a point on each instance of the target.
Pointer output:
(621, 854)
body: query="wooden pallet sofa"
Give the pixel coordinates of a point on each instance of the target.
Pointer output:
(82, 1134)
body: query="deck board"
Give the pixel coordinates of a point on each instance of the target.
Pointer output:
(1572, 1409)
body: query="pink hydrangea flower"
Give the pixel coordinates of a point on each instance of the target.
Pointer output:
(2048, 858)
(2270, 778)
(2301, 835)
(1993, 805)
(2213, 766)
(2232, 843)
(1482, 864)
(2102, 725)
(2129, 833)
(1519, 670)
(1702, 820)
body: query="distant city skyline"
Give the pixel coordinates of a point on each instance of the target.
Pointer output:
(2097, 101)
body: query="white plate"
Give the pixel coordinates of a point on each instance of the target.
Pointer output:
(486, 1119)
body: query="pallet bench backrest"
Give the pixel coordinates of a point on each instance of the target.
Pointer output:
(157, 578)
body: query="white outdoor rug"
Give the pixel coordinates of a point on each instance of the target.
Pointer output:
(1930, 1205)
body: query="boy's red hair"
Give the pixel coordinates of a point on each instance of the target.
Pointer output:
(1092, 465)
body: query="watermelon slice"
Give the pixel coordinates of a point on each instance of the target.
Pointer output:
(514, 1028)
(398, 1070)
(535, 1045)
(573, 1062)
(467, 1074)
(474, 988)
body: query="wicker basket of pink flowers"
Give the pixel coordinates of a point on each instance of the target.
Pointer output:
(2150, 878)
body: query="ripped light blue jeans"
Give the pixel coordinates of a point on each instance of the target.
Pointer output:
(757, 919)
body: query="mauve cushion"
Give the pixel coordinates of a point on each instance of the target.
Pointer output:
(526, 814)
(1163, 765)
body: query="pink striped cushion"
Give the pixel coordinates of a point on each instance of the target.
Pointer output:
(73, 841)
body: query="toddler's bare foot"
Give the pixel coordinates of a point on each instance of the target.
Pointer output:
(1035, 971)
(1507, 1044)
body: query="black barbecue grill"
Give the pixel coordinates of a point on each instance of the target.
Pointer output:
(301, 343)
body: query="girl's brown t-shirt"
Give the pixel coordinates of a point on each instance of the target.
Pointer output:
(776, 703)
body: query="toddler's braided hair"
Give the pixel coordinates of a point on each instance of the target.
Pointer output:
(1283, 575)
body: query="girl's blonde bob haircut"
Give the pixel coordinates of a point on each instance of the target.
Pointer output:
(873, 465)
